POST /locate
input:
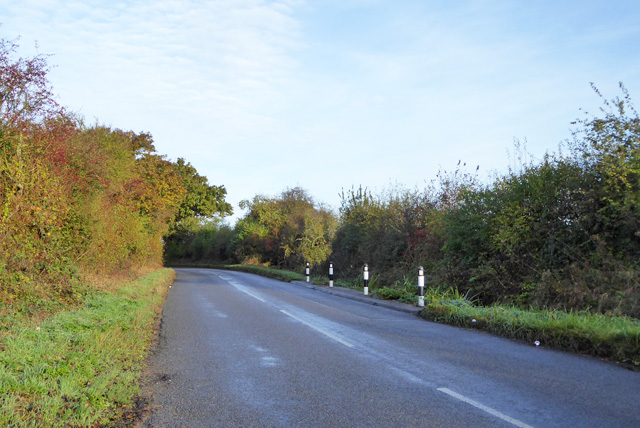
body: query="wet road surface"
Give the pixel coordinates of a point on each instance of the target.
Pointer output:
(239, 350)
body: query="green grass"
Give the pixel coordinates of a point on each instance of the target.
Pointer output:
(81, 367)
(405, 291)
(610, 337)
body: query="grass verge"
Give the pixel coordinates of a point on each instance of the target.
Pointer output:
(615, 338)
(80, 368)
(610, 337)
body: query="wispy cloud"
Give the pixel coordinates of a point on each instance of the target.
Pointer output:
(261, 94)
(170, 52)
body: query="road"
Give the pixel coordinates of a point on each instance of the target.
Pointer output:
(239, 350)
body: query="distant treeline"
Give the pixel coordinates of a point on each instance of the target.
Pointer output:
(80, 202)
(561, 232)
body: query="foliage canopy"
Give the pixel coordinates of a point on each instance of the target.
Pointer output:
(80, 200)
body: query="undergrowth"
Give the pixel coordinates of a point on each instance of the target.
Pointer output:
(607, 336)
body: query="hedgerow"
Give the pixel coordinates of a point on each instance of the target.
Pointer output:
(80, 201)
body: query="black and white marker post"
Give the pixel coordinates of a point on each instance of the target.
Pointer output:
(421, 286)
(365, 276)
(330, 274)
(307, 272)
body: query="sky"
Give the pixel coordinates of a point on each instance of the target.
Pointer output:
(265, 95)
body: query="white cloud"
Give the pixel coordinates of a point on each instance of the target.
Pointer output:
(260, 95)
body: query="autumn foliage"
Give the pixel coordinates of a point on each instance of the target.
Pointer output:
(562, 232)
(75, 200)
(285, 231)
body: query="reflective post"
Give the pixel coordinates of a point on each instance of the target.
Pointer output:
(365, 276)
(330, 274)
(421, 286)
(307, 272)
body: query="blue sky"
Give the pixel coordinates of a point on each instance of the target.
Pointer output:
(264, 95)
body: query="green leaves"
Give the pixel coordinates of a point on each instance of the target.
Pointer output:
(557, 233)
(201, 199)
(285, 231)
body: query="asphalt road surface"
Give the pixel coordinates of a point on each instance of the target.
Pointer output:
(239, 350)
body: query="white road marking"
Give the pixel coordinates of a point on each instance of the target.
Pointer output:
(240, 287)
(484, 408)
(269, 361)
(407, 376)
(319, 330)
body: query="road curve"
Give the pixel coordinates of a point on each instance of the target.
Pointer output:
(239, 350)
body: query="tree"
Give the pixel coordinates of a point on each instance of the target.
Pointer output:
(285, 231)
(25, 92)
(201, 200)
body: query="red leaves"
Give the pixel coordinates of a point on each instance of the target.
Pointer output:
(25, 93)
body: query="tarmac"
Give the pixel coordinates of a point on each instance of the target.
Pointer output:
(358, 295)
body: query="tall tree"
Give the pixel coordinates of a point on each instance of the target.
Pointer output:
(285, 230)
(202, 200)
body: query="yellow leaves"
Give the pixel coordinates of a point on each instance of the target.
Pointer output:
(161, 190)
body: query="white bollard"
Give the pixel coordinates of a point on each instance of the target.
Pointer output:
(330, 274)
(307, 271)
(365, 276)
(421, 286)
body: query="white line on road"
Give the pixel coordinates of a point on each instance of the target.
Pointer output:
(482, 407)
(408, 376)
(244, 290)
(319, 330)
